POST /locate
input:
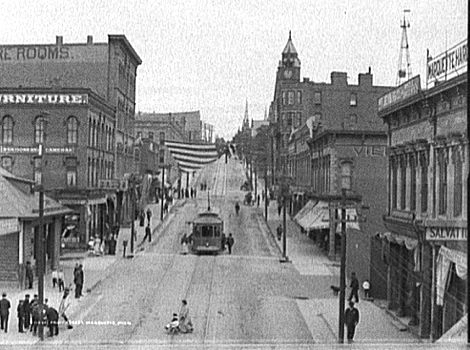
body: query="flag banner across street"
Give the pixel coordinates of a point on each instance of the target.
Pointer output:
(192, 156)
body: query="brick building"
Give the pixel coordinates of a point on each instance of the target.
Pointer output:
(426, 218)
(107, 69)
(77, 129)
(19, 228)
(323, 134)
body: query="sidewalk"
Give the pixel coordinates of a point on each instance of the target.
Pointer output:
(321, 314)
(96, 269)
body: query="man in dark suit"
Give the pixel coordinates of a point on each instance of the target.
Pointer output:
(26, 312)
(351, 319)
(4, 312)
(52, 321)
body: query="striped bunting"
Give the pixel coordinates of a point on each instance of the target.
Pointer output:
(191, 156)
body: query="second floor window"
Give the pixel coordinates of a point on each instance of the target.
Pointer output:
(442, 169)
(299, 97)
(412, 183)
(290, 97)
(317, 98)
(72, 131)
(346, 175)
(71, 177)
(39, 130)
(424, 182)
(284, 98)
(394, 185)
(458, 189)
(7, 130)
(353, 100)
(162, 138)
(403, 182)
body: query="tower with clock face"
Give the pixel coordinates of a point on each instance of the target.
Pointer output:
(289, 66)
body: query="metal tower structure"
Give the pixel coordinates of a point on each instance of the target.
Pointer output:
(404, 63)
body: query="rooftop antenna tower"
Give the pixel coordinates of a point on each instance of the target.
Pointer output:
(404, 63)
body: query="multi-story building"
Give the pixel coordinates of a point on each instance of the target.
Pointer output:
(325, 134)
(109, 71)
(76, 127)
(426, 241)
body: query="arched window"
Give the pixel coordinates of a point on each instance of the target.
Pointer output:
(39, 124)
(7, 130)
(72, 131)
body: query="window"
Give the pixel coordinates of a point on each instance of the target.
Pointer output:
(39, 130)
(458, 189)
(290, 97)
(7, 163)
(7, 130)
(72, 131)
(71, 177)
(442, 169)
(151, 135)
(346, 175)
(284, 98)
(37, 173)
(424, 182)
(299, 97)
(394, 189)
(317, 98)
(402, 182)
(162, 138)
(162, 156)
(412, 182)
(353, 101)
(299, 119)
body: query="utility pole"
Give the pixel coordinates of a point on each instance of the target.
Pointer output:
(342, 281)
(133, 200)
(266, 198)
(40, 246)
(163, 191)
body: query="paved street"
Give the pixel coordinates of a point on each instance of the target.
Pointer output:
(244, 300)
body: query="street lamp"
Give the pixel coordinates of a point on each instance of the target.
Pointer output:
(285, 194)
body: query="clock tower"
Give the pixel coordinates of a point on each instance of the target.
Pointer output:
(289, 66)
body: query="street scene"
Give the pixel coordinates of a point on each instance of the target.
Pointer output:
(156, 192)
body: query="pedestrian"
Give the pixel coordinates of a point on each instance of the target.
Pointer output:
(20, 314)
(223, 241)
(29, 275)
(54, 278)
(149, 215)
(61, 280)
(279, 231)
(4, 312)
(230, 242)
(142, 218)
(354, 288)
(34, 321)
(26, 312)
(52, 321)
(185, 324)
(63, 306)
(184, 244)
(148, 233)
(258, 199)
(351, 319)
(366, 287)
(78, 280)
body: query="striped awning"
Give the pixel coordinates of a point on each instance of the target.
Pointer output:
(192, 156)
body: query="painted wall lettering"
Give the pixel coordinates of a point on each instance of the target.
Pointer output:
(33, 53)
(446, 234)
(43, 99)
(370, 151)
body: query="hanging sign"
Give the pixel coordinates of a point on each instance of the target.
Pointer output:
(448, 64)
(405, 90)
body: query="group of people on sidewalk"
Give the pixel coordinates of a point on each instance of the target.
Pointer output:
(31, 314)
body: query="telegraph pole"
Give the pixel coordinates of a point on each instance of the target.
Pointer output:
(40, 247)
(342, 280)
(163, 191)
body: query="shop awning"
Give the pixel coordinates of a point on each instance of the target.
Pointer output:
(410, 243)
(305, 209)
(316, 218)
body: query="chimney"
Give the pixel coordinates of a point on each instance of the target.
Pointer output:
(365, 78)
(89, 40)
(339, 78)
(59, 40)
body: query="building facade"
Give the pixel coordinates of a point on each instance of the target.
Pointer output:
(19, 229)
(426, 218)
(109, 71)
(76, 129)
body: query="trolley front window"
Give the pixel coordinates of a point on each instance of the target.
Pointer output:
(207, 231)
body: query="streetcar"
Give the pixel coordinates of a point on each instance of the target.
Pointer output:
(206, 232)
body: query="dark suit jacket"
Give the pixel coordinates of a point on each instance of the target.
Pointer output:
(4, 307)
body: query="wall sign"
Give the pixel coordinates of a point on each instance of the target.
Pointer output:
(21, 149)
(446, 234)
(9, 226)
(405, 90)
(448, 64)
(34, 53)
(67, 99)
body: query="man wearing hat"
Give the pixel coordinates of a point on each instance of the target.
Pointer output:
(4, 312)
(64, 305)
(26, 312)
(351, 319)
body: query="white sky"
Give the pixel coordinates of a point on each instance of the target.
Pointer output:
(213, 55)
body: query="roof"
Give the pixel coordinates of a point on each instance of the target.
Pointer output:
(164, 116)
(6, 174)
(290, 48)
(127, 44)
(208, 218)
(16, 203)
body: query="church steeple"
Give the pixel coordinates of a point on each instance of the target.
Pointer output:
(246, 121)
(289, 54)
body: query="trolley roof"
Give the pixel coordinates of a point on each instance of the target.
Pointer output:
(207, 217)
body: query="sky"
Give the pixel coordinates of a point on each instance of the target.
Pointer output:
(213, 56)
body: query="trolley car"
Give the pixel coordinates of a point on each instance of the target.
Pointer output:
(206, 233)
